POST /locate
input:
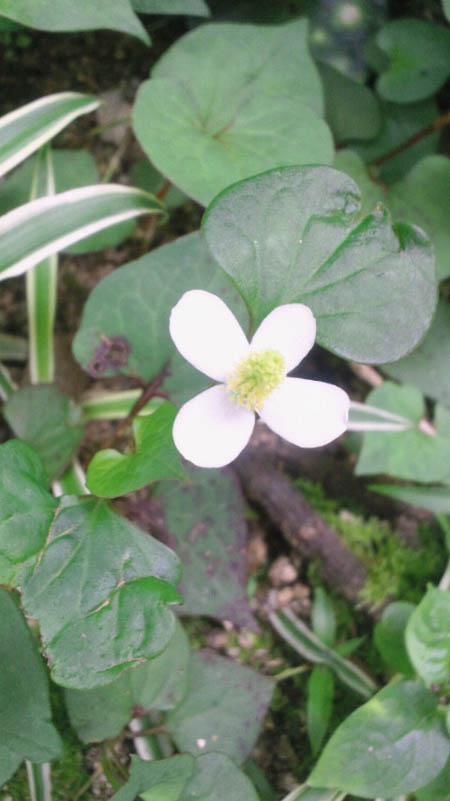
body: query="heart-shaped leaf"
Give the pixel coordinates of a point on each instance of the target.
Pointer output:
(27, 509)
(342, 96)
(371, 286)
(223, 708)
(204, 522)
(25, 714)
(48, 421)
(414, 453)
(111, 473)
(100, 591)
(374, 751)
(125, 325)
(227, 101)
(428, 637)
(419, 59)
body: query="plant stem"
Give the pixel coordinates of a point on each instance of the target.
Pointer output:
(290, 672)
(148, 392)
(7, 385)
(439, 123)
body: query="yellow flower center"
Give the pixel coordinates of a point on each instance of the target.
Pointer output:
(255, 377)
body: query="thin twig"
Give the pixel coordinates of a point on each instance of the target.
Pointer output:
(439, 123)
(149, 391)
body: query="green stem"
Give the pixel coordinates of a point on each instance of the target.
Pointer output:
(39, 781)
(289, 672)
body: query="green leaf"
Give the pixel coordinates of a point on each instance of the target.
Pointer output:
(206, 127)
(419, 59)
(48, 421)
(323, 618)
(412, 454)
(163, 780)
(13, 348)
(116, 15)
(211, 777)
(99, 591)
(435, 499)
(223, 709)
(438, 789)
(389, 637)
(101, 713)
(374, 751)
(147, 177)
(299, 245)
(342, 96)
(111, 473)
(305, 793)
(319, 705)
(421, 197)
(399, 123)
(26, 129)
(26, 509)
(425, 367)
(130, 309)
(72, 169)
(446, 8)
(195, 8)
(428, 637)
(299, 637)
(204, 522)
(36, 230)
(25, 714)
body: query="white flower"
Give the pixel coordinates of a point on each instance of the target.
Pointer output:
(213, 428)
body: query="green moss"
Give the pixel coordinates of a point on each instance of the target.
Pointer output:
(394, 569)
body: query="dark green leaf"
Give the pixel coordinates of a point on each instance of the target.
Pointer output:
(323, 618)
(298, 244)
(27, 509)
(410, 454)
(389, 636)
(205, 127)
(100, 592)
(425, 367)
(399, 123)
(342, 96)
(101, 713)
(374, 752)
(419, 59)
(111, 473)
(204, 522)
(319, 705)
(84, 15)
(25, 715)
(48, 421)
(428, 637)
(223, 709)
(130, 308)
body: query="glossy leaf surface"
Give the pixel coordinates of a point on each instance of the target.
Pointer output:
(205, 127)
(223, 709)
(111, 473)
(300, 243)
(392, 745)
(203, 520)
(428, 637)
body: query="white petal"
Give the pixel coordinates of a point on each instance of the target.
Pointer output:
(307, 413)
(207, 333)
(210, 430)
(290, 329)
